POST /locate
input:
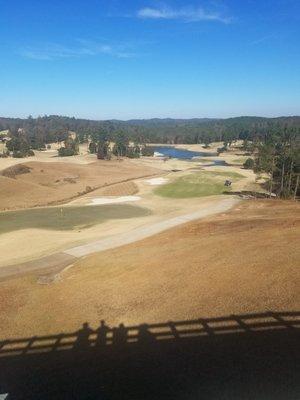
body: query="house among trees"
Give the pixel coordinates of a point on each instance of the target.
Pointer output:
(4, 136)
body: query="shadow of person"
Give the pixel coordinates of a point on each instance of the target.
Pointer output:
(102, 334)
(250, 356)
(174, 330)
(120, 335)
(144, 335)
(82, 342)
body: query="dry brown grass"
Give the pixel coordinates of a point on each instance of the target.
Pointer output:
(46, 183)
(243, 261)
(120, 189)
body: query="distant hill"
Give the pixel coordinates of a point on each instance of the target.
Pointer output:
(167, 121)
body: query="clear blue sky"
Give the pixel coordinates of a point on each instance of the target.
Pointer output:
(126, 59)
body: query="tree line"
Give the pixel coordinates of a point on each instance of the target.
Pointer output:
(48, 129)
(278, 155)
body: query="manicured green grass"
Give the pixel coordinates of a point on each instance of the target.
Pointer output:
(205, 183)
(225, 174)
(67, 218)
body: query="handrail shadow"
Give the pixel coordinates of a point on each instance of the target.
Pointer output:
(174, 359)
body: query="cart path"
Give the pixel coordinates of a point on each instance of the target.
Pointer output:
(58, 261)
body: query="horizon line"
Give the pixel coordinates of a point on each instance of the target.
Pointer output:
(151, 118)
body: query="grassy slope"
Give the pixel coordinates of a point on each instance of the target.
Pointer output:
(205, 183)
(239, 262)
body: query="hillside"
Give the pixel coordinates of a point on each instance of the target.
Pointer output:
(35, 183)
(243, 261)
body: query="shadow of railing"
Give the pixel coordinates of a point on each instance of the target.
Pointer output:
(162, 360)
(179, 330)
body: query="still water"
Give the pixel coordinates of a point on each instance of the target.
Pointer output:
(187, 154)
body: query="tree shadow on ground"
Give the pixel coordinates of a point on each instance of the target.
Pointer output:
(252, 356)
(249, 194)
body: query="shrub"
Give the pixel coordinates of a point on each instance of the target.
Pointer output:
(17, 154)
(66, 152)
(133, 152)
(22, 153)
(120, 150)
(147, 151)
(221, 149)
(249, 163)
(93, 148)
(38, 146)
(103, 152)
(71, 148)
(5, 154)
(133, 155)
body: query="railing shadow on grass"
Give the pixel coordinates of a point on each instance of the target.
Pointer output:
(250, 356)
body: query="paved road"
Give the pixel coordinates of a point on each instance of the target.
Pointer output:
(58, 261)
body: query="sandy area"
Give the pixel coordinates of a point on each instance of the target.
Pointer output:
(242, 261)
(113, 200)
(157, 181)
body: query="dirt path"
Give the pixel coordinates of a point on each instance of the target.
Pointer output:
(58, 261)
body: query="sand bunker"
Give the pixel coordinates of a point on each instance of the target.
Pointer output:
(157, 181)
(113, 200)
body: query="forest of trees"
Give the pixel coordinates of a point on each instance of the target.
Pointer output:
(48, 129)
(278, 154)
(274, 142)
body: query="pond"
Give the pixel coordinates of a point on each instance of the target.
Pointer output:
(182, 154)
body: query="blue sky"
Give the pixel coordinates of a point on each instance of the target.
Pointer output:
(142, 59)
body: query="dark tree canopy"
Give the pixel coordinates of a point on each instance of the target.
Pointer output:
(48, 129)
